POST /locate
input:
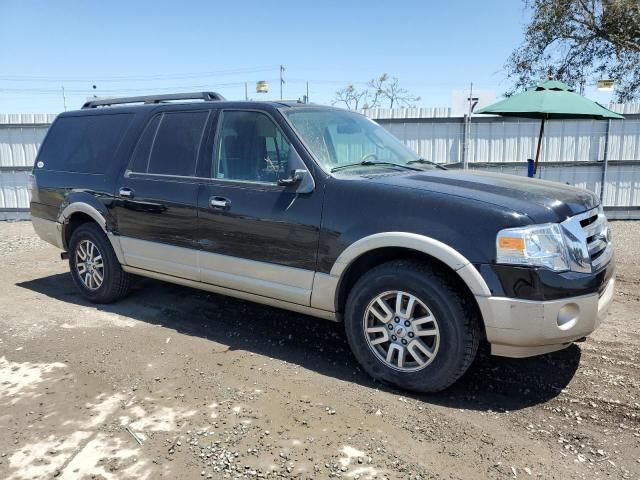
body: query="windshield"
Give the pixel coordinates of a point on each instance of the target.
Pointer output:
(339, 138)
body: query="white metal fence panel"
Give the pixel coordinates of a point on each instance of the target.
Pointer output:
(499, 140)
(440, 138)
(20, 138)
(624, 140)
(622, 187)
(19, 145)
(14, 190)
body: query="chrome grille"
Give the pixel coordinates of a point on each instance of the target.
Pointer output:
(589, 241)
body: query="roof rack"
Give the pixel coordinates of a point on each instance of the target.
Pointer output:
(148, 99)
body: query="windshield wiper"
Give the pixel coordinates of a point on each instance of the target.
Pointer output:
(426, 162)
(367, 163)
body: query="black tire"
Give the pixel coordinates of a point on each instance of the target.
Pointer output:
(115, 283)
(457, 321)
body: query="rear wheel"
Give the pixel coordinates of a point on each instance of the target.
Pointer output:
(94, 266)
(409, 325)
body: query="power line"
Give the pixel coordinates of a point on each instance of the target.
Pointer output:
(138, 78)
(123, 90)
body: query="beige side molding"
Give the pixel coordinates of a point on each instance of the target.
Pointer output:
(443, 252)
(84, 208)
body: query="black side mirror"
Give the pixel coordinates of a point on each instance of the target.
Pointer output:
(300, 177)
(295, 178)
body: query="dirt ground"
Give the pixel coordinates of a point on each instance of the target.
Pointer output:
(177, 383)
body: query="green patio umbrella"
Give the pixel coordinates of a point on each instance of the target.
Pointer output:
(549, 100)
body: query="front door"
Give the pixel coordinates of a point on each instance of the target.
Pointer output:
(255, 235)
(157, 195)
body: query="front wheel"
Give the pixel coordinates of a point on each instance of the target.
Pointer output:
(94, 266)
(411, 326)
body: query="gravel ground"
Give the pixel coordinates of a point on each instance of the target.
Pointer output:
(177, 383)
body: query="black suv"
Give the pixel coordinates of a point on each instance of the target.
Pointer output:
(321, 211)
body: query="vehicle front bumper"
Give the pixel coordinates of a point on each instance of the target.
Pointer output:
(523, 328)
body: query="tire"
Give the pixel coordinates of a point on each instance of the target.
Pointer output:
(440, 335)
(103, 260)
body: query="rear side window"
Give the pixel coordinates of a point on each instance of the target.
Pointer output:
(140, 159)
(85, 144)
(170, 143)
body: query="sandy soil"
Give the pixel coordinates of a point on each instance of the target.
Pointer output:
(177, 383)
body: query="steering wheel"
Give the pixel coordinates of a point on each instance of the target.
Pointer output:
(367, 156)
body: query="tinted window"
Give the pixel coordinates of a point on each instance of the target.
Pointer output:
(251, 147)
(85, 144)
(140, 158)
(176, 144)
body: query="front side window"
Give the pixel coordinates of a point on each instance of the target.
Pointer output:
(170, 143)
(250, 147)
(338, 138)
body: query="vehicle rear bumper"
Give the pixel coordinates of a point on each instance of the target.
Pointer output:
(523, 328)
(48, 230)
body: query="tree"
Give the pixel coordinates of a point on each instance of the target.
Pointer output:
(396, 95)
(350, 97)
(580, 41)
(379, 90)
(376, 89)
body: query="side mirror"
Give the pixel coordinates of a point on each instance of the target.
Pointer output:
(300, 177)
(295, 178)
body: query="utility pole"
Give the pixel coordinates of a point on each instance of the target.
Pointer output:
(467, 128)
(64, 99)
(246, 93)
(281, 80)
(307, 97)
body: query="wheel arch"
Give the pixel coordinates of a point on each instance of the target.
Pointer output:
(79, 213)
(373, 250)
(74, 215)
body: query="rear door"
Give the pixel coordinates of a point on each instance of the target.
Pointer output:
(157, 194)
(255, 235)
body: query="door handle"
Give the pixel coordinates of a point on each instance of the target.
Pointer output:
(125, 192)
(220, 203)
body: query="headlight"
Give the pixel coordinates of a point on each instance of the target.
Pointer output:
(534, 245)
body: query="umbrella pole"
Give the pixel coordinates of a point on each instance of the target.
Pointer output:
(535, 165)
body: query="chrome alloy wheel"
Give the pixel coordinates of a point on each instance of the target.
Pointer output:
(401, 331)
(89, 264)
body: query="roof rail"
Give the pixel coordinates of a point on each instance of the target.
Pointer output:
(105, 102)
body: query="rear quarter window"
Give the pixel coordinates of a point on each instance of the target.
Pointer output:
(84, 144)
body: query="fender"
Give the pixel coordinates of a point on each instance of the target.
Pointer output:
(97, 211)
(326, 287)
(82, 208)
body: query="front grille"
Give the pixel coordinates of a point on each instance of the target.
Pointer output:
(596, 232)
(590, 248)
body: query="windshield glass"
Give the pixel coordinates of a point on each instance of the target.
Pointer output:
(342, 138)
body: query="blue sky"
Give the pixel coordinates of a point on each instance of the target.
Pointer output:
(139, 47)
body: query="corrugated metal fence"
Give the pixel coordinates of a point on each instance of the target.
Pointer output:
(20, 138)
(584, 153)
(573, 152)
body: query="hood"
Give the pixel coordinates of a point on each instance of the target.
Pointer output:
(541, 200)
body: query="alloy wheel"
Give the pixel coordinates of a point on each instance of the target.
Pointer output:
(401, 331)
(89, 265)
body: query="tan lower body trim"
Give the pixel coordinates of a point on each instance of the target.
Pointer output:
(315, 312)
(48, 230)
(522, 328)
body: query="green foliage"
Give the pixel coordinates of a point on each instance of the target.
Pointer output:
(578, 42)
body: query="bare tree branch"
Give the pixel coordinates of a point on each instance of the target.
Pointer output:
(350, 97)
(380, 89)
